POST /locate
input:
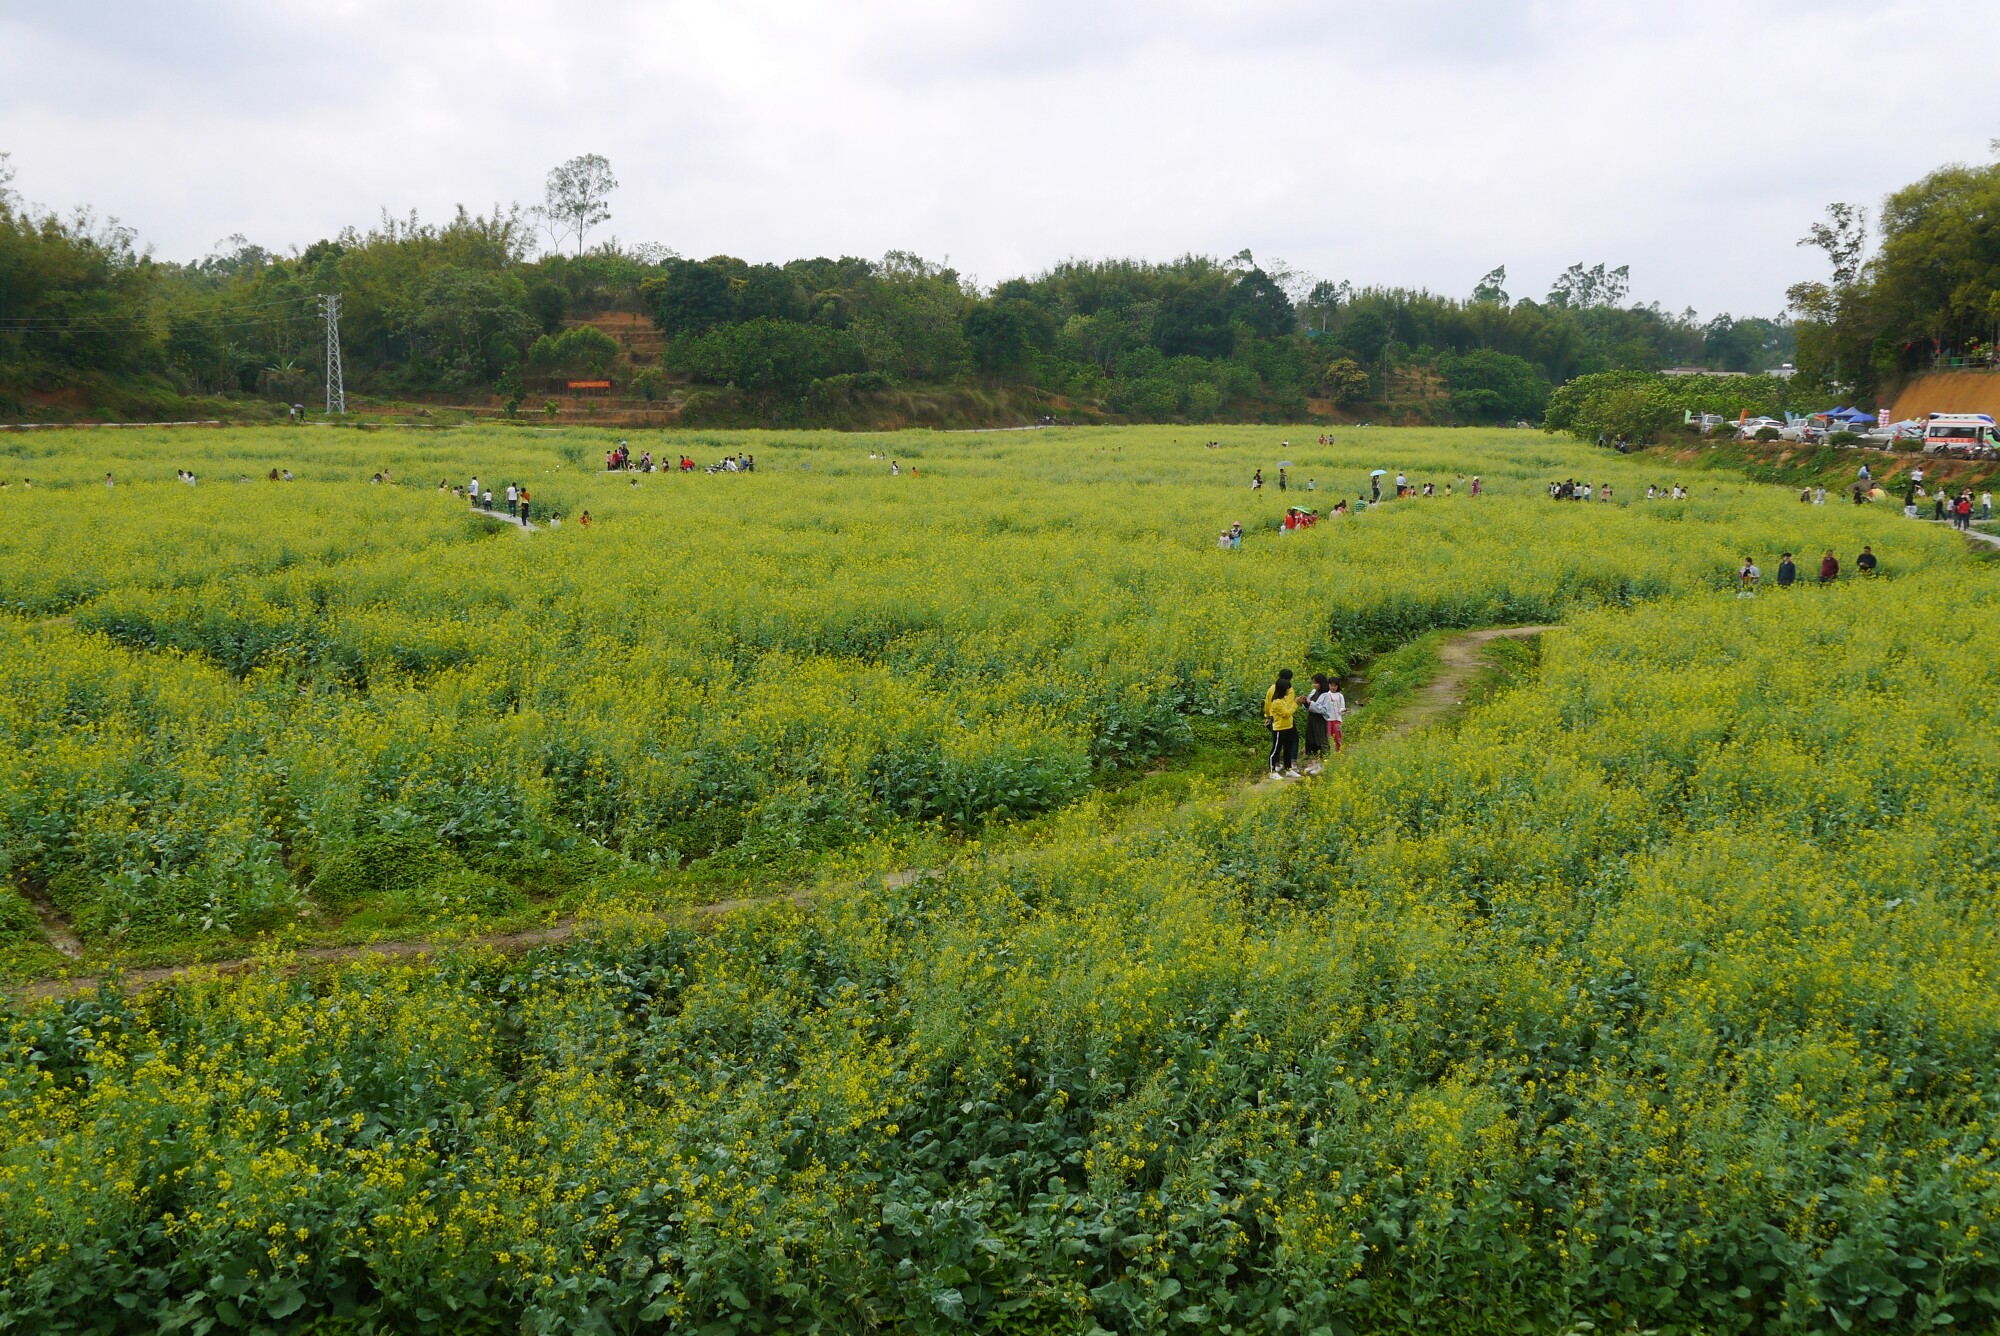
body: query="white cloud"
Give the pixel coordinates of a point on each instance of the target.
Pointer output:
(1418, 143)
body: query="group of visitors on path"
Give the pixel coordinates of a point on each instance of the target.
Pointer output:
(1406, 489)
(515, 500)
(619, 460)
(1749, 575)
(1305, 517)
(1324, 707)
(1957, 510)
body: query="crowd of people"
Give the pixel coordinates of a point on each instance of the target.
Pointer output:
(1571, 489)
(1323, 707)
(1304, 517)
(1958, 509)
(619, 460)
(1404, 487)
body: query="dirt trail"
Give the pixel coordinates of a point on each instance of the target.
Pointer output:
(509, 943)
(1458, 661)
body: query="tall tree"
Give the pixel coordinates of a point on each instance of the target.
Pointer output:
(1580, 289)
(575, 198)
(1844, 238)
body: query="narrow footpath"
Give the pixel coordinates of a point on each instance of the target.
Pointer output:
(1458, 663)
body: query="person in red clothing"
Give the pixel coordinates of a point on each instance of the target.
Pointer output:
(1829, 567)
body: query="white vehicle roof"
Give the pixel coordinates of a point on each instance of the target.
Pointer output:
(1986, 418)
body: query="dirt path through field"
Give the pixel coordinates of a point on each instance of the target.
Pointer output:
(509, 943)
(1458, 660)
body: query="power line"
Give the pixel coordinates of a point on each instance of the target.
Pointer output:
(109, 325)
(139, 329)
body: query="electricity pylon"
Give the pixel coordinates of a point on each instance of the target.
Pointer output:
(336, 386)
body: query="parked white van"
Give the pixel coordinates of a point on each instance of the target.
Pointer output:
(1967, 435)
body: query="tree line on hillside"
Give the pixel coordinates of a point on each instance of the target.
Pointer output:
(1928, 294)
(473, 306)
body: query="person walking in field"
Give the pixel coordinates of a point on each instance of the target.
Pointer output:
(513, 502)
(1747, 578)
(583, 520)
(1985, 506)
(1829, 567)
(1788, 571)
(1257, 480)
(1281, 707)
(472, 491)
(1865, 563)
(1475, 484)
(524, 507)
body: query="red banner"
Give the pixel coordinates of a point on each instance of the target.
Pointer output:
(590, 385)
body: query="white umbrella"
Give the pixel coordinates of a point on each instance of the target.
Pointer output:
(1284, 463)
(1376, 473)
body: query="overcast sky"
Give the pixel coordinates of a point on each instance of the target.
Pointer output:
(1414, 142)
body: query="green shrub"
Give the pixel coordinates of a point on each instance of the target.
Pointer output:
(378, 866)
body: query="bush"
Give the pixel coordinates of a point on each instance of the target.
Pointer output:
(1767, 434)
(381, 865)
(1844, 438)
(1344, 381)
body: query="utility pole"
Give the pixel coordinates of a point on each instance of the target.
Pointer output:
(336, 387)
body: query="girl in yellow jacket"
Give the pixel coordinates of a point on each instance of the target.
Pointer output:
(1281, 707)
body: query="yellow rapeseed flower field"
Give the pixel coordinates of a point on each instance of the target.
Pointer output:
(1654, 992)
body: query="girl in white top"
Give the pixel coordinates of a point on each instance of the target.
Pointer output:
(1330, 706)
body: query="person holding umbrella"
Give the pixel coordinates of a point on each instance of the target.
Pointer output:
(1375, 484)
